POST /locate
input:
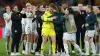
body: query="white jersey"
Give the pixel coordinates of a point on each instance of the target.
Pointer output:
(23, 25)
(28, 27)
(23, 21)
(7, 16)
(28, 20)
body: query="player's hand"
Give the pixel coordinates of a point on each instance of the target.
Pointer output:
(55, 17)
(79, 11)
(66, 11)
(23, 11)
(86, 25)
(83, 26)
(7, 20)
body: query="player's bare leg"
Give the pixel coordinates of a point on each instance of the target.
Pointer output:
(7, 44)
(27, 44)
(77, 47)
(97, 44)
(35, 41)
(24, 43)
(32, 41)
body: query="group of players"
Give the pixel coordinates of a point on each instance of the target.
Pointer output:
(34, 26)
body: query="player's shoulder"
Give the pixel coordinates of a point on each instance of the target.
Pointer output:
(11, 13)
(5, 13)
(47, 13)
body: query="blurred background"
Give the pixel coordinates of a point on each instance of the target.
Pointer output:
(70, 2)
(21, 4)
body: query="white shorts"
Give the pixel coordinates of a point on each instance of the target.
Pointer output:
(23, 21)
(34, 32)
(23, 28)
(28, 29)
(90, 33)
(23, 25)
(34, 27)
(8, 31)
(67, 36)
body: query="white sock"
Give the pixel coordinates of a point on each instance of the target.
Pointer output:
(34, 46)
(87, 46)
(66, 48)
(78, 48)
(97, 47)
(93, 47)
(27, 47)
(30, 47)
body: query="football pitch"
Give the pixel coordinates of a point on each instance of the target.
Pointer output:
(3, 49)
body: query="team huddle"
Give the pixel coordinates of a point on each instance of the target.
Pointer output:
(34, 26)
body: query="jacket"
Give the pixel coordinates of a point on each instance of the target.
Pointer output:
(69, 24)
(91, 20)
(58, 23)
(80, 18)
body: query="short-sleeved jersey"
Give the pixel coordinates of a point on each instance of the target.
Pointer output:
(7, 16)
(28, 20)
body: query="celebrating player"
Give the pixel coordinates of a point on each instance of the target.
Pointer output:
(90, 30)
(7, 18)
(48, 30)
(69, 31)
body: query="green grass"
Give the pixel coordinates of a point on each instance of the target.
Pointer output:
(3, 49)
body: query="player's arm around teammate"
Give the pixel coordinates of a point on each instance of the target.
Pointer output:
(16, 30)
(23, 37)
(48, 30)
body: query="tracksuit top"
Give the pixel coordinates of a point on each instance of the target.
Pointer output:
(16, 18)
(69, 23)
(91, 20)
(58, 23)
